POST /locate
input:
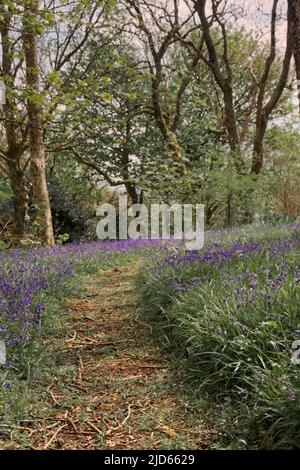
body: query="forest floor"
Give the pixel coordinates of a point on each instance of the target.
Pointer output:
(110, 387)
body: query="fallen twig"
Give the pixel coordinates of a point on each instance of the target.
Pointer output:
(73, 424)
(48, 444)
(93, 426)
(54, 399)
(110, 430)
(80, 370)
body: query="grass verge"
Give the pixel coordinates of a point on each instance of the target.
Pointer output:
(230, 316)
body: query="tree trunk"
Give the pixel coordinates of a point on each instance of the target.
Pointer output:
(16, 177)
(132, 192)
(230, 120)
(210, 209)
(229, 209)
(20, 200)
(164, 124)
(230, 125)
(14, 144)
(175, 150)
(35, 119)
(258, 145)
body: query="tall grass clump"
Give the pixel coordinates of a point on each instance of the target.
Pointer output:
(231, 314)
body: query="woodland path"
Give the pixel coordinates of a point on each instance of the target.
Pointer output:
(112, 388)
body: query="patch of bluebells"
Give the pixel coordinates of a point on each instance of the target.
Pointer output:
(215, 254)
(27, 276)
(240, 320)
(293, 394)
(183, 288)
(247, 285)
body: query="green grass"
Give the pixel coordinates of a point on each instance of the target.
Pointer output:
(236, 358)
(163, 415)
(231, 365)
(36, 361)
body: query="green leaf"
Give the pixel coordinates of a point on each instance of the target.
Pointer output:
(5, 191)
(36, 98)
(106, 97)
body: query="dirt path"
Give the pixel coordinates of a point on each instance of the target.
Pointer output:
(112, 388)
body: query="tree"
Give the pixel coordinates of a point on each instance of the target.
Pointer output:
(36, 124)
(223, 72)
(158, 27)
(264, 109)
(33, 103)
(12, 117)
(105, 124)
